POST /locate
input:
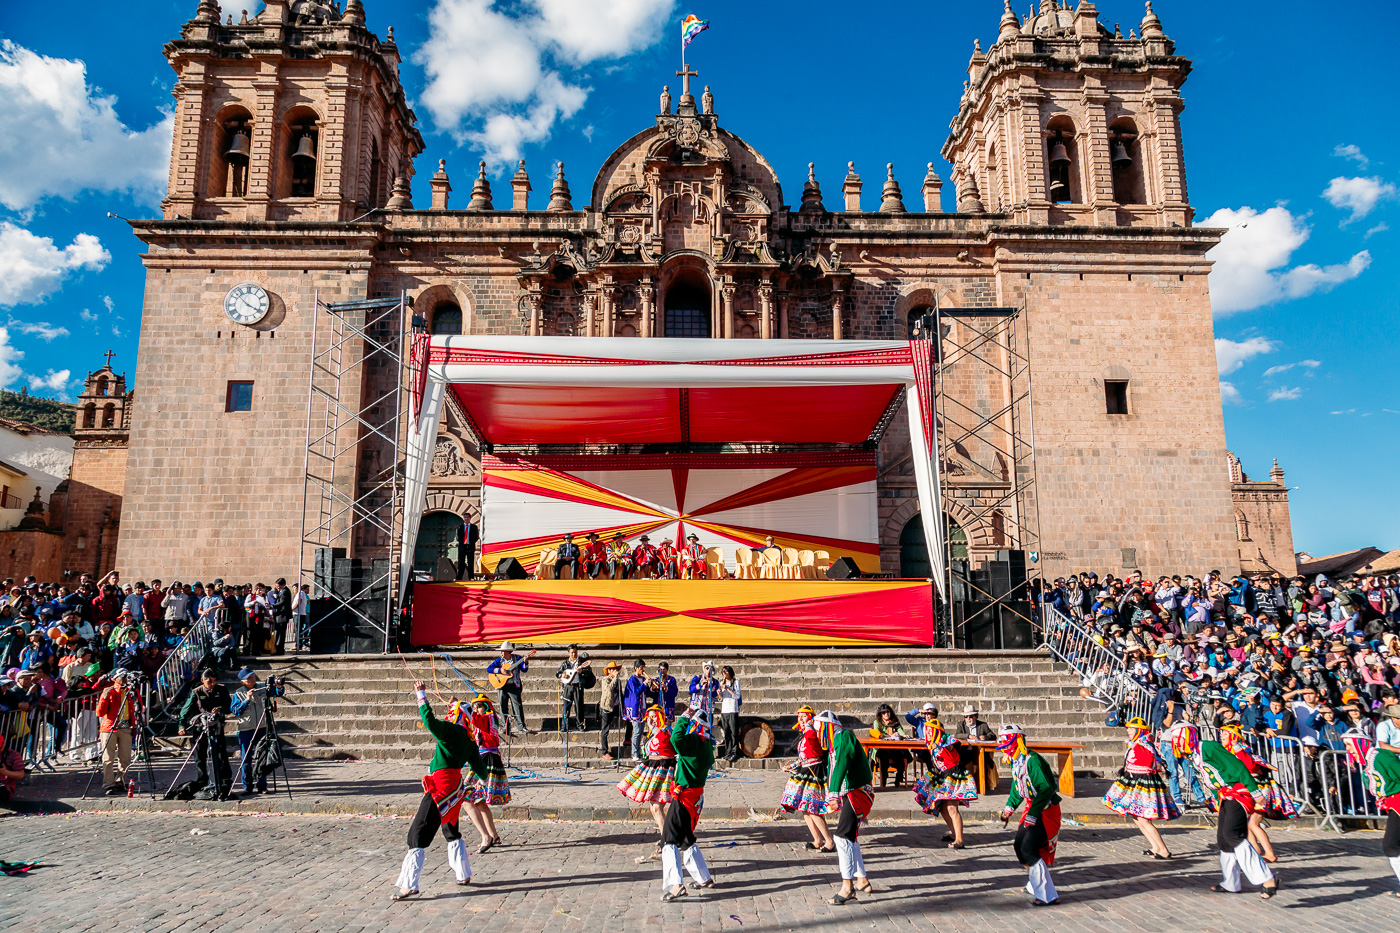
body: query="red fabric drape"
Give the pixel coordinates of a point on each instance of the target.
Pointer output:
(901, 614)
(451, 615)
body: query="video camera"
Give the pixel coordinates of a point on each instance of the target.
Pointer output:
(276, 686)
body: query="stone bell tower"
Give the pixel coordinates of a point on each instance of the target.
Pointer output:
(1064, 121)
(294, 114)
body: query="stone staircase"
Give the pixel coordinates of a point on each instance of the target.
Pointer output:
(360, 706)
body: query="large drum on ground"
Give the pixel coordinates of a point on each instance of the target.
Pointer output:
(756, 739)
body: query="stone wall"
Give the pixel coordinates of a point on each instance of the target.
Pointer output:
(212, 493)
(93, 507)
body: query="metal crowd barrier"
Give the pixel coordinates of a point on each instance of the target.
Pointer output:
(41, 736)
(1346, 791)
(179, 666)
(1094, 661)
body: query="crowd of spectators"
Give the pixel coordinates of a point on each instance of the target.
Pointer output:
(1284, 658)
(58, 642)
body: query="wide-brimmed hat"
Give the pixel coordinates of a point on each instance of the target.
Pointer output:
(507, 646)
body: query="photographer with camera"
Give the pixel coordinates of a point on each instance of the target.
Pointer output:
(249, 705)
(203, 716)
(116, 713)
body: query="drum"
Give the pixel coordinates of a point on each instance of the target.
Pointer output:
(756, 739)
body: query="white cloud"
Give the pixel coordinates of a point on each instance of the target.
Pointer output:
(1285, 394)
(1249, 260)
(1277, 370)
(87, 315)
(1381, 227)
(1349, 151)
(31, 266)
(107, 300)
(1348, 411)
(55, 381)
(9, 359)
(1230, 395)
(41, 329)
(503, 77)
(1358, 195)
(62, 136)
(1230, 355)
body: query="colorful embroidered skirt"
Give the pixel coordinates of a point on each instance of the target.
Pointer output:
(805, 791)
(955, 787)
(495, 790)
(1277, 805)
(650, 781)
(1144, 795)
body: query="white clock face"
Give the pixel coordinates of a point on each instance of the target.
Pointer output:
(246, 303)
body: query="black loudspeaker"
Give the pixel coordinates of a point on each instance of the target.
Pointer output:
(980, 628)
(323, 568)
(843, 568)
(1015, 624)
(510, 569)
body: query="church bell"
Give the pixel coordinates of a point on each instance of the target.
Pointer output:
(238, 149)
(306, 149)
(1059, 156)
(1120, 156)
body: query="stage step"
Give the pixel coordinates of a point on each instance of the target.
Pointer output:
(361, 706)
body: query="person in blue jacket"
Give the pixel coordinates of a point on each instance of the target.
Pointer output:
(634, 704)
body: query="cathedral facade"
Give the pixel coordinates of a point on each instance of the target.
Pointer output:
(293, 172)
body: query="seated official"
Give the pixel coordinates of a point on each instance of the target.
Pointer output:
(693, 564)
(888, 726)
(619, 558)
(569, 556)
(595, 556)
(668, 560)
(768, 545)
(645, 559)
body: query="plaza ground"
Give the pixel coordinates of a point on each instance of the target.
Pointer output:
(166, 872)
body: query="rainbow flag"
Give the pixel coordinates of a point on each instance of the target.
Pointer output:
(691, 27)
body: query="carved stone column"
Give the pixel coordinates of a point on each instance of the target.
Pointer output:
(838, 302)
(589, 301)
(727, 309)
(765, 309)
(608, 296)
(646, 296)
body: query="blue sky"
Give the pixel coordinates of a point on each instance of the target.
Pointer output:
(1283, 143)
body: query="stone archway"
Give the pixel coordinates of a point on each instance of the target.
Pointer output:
(978, 532)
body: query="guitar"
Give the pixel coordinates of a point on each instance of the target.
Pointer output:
(503, 677)
(568, 677)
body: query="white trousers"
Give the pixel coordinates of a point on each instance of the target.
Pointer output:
(848, 854)
(1039, 885)
(1395, 867)
(671, 860)
(412, 868)
(1243, 858)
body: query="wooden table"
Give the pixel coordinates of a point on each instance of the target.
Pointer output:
(987, 777)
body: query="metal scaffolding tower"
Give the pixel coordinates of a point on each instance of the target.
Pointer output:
(352, 511)
(986, 434)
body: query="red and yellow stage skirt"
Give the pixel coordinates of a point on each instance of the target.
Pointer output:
(676, 612)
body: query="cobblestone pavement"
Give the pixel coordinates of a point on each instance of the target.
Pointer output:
(172, 873)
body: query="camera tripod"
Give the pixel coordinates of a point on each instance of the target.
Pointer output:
(140, 748)
(209, 726)
(269, 721)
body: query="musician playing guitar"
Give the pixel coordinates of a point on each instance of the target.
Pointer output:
(504, 674)
(574, 677)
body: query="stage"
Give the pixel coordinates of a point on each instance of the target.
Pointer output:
(716, 445)
(788, 613)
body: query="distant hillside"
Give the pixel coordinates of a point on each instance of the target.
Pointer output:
(42, 412)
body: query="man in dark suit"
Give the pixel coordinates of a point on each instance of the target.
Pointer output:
(281, 600)
(466, 560)
(568, 556)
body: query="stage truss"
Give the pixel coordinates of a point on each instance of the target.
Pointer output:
(987, 346)
(353, 475)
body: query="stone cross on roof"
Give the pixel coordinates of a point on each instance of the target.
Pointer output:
(109, 354)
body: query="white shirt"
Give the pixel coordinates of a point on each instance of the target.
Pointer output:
(1303, 714)
(1388, 731)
